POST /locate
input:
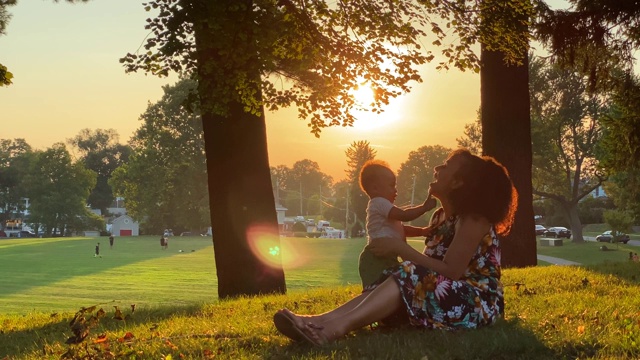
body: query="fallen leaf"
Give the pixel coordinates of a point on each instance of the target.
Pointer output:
(101, 338)
(581, 329)
(101, 313)
(118, 314)
(90, 309)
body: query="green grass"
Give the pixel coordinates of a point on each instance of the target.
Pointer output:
(61, 274)
(552, 312)
(588, 252)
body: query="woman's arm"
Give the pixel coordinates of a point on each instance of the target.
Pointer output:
(468, 233)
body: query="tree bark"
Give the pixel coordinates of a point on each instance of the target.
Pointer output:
(243, 214)
(575, 223)
(506, 135)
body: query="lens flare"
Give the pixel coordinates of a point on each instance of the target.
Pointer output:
(272, 249)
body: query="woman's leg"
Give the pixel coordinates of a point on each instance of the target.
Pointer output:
(363, 310)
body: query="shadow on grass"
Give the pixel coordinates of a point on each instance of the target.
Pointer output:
(29, 263)
(625, 270)
(504, 340)
(55, 333)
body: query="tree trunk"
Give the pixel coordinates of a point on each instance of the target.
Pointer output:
(506, 135)
(243, 214)
(575, 223)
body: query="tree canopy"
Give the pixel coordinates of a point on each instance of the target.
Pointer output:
(58, 189)
(101, 152)
(164, 181)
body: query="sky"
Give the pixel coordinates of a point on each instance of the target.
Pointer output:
(64, 58)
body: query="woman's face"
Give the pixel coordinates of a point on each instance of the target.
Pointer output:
(444, 177)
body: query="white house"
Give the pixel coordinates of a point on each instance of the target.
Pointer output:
(280, 211)
(124, 225)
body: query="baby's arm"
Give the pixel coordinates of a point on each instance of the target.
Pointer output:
(412, 213)
(410, 231)
(413, 231)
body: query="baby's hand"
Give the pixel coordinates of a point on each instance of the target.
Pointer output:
(430, 203)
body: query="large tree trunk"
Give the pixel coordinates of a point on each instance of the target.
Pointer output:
(243, 214)
(575, 224)
(506, 135)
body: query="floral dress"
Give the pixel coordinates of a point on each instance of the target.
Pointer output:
(437, 302)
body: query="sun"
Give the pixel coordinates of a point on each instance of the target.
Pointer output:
(363, 95)
(367, 120)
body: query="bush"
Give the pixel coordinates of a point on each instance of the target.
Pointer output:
(591, 209)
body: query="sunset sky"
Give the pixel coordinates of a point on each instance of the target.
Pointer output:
(67, 77)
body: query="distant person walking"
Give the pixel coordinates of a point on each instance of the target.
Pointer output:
(162, 242)
(97, 250)
(111, 241)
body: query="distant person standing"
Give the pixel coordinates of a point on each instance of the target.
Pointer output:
(97, 250)
(111, 241)
(162, 241)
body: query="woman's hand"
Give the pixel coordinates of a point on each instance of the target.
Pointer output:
(384, 246)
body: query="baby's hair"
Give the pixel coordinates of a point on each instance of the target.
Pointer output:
(370, 172)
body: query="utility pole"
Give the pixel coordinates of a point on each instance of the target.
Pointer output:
(300, 197)
(413, 188)
(413, 191)
(346, 216)
(320, 199)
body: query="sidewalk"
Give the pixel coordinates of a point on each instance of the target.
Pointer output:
(556, 261)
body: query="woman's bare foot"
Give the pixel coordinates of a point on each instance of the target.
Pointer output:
(317, 334)
(302, 320)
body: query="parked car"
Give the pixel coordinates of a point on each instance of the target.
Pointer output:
(608, 235)
(3, 234)
(557, 232)
(26, 234)
(540, 229)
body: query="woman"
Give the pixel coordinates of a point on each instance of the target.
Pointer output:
(455, 282)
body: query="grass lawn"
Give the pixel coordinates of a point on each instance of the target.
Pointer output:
(588, 252)
(62, 274)
(552, 312)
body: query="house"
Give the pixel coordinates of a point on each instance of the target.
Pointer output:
(280, 211)
(124, 225)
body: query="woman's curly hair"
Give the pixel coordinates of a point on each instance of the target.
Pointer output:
(487, 190)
